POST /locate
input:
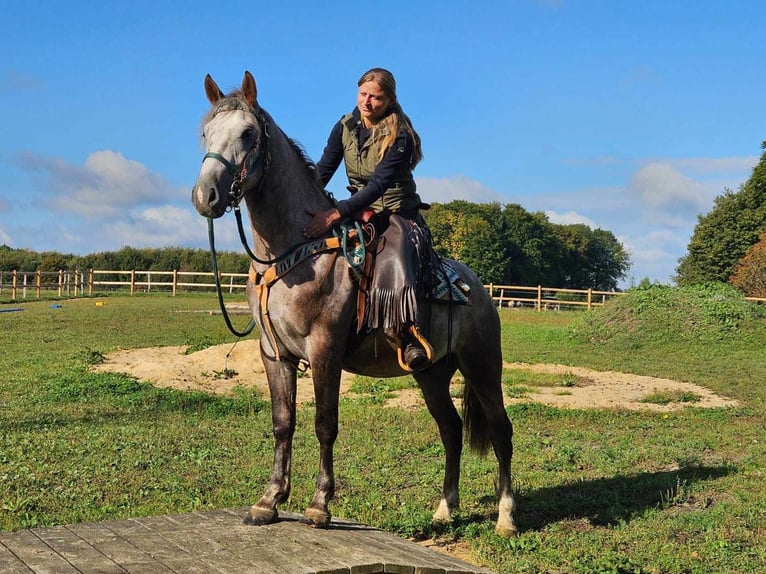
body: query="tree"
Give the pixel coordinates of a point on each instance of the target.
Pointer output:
(589, 258)
(469, 233)
(531, 245)
(723, 236)
(750, 273)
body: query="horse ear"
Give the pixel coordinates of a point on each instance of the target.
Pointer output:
(212, 91)
(249, 90)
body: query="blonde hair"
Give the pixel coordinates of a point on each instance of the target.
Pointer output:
(397, 119)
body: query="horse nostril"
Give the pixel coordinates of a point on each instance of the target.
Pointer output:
(212, 196)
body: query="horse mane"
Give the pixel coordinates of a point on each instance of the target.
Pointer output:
(236, 101)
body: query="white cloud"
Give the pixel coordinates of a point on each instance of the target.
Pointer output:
(569, 218)
(444, 190)
(654, 253)
(5, 239)
(103, 187)
(158, 226)
(716, 165)
(659, 185)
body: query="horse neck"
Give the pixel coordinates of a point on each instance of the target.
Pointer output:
(278, 209)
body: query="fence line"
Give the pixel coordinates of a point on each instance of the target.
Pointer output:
(541, 297)
(80, 283)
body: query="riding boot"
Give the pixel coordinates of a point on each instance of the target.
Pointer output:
(415, 356)
(412, 355)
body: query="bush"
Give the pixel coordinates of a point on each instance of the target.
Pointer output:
(705, 311)
(750, 273)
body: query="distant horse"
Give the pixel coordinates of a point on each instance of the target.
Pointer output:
(303, 297)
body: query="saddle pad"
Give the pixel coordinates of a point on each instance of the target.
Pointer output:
(450, 287)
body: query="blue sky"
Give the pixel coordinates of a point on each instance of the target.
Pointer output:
(628, 116)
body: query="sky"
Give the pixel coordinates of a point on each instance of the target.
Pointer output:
(626, 116)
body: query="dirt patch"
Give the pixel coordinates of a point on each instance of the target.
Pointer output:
(611, 389)
(217, 369)
(220, 368)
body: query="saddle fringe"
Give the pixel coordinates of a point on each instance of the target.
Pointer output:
(392, 309)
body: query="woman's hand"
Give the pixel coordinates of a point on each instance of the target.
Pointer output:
(320, 222)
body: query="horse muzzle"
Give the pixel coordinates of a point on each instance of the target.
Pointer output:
(208, 200)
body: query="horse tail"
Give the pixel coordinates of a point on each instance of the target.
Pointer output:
(475, 424)
(477, 427)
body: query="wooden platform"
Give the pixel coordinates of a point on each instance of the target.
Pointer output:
(217, 542)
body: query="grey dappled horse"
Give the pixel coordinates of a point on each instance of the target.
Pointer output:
(305, 306)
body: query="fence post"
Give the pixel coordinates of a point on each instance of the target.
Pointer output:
(90, 281)
(13, 285)
(590, 297)
(175, 281)
(132, 281)
(539, 297)
(38, 283)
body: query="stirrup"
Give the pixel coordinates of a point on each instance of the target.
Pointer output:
(418, 336)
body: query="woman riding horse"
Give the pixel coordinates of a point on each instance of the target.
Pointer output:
(380, 148)
(304, 297)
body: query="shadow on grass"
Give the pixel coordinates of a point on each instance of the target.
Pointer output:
(610, 501)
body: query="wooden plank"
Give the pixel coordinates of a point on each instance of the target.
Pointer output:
(81, 555)
(35, 554)
(217, 542)
(10, 563)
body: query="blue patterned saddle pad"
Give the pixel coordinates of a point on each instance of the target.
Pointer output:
(450, 286)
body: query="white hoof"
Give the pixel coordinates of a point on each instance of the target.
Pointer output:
(443, 513)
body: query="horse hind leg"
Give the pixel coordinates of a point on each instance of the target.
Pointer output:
(487, 423)
(282, 388)
(434, 384)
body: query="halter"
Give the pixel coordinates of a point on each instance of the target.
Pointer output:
(241, 173)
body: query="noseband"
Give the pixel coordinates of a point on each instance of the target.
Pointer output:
(240, 173)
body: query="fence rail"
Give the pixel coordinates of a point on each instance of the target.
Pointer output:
(39, 284)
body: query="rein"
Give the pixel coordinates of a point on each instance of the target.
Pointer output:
(219, 291)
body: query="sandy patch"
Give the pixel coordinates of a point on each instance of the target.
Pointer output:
(220, 368)
(217, 369)
(611, 389)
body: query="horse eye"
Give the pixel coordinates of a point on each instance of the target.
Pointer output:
(247, 134)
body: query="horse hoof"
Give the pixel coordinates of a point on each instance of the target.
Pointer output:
(260, 516)
(506, 531)
(443, 514)
(316, 518)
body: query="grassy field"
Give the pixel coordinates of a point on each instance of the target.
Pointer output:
(598, 490)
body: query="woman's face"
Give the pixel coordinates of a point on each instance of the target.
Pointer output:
(371, 101)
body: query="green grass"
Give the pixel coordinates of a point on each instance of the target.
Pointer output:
(598, 491)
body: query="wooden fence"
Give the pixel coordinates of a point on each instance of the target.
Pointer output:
(53, 284)
(23, 285)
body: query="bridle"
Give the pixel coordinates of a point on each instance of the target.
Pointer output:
(249, 165)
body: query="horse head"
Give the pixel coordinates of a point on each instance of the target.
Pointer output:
(234, 136)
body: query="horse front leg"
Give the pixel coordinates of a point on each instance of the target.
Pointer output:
(282, 388)
(326, 392)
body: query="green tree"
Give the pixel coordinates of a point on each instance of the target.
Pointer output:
(532, 247)
(470, 234)
(723, 236)
(589, 258)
